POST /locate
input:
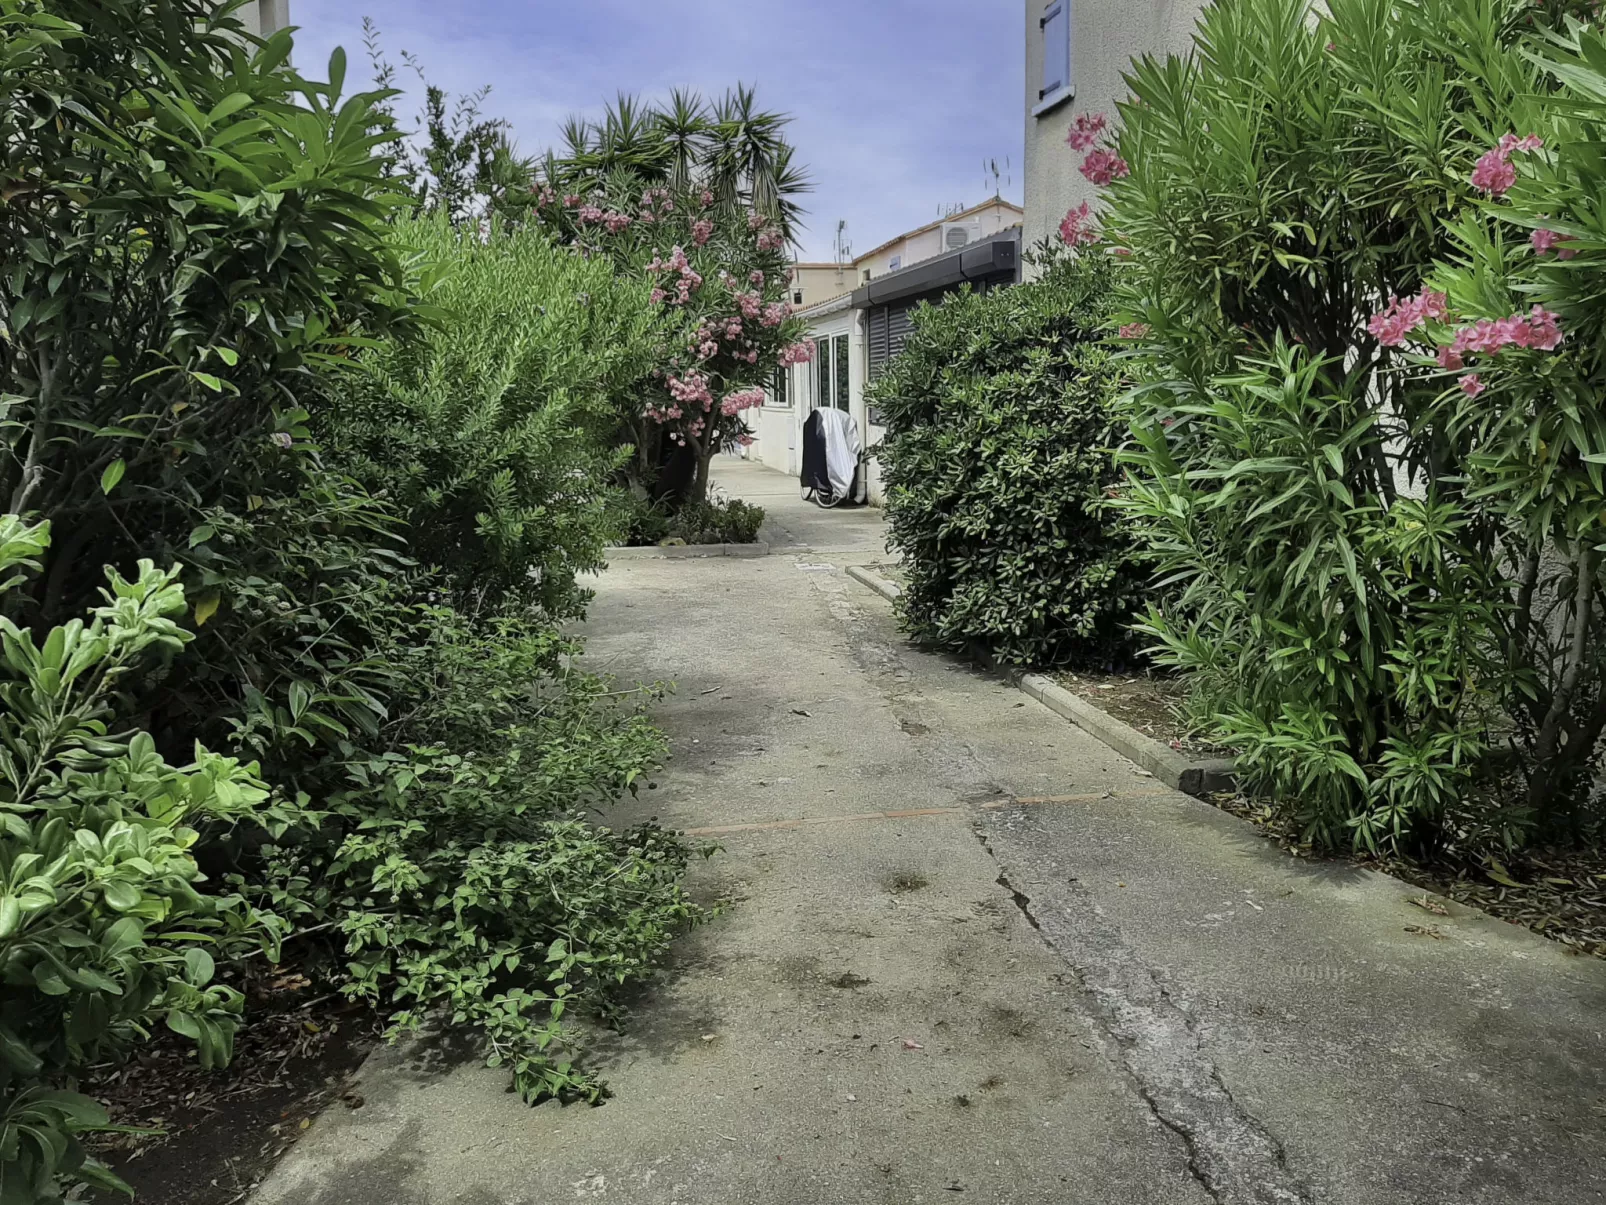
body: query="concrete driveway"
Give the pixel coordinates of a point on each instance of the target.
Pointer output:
(968, 954)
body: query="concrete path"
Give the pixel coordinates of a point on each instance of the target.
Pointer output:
(968, 954)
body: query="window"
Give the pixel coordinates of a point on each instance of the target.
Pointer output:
(781, 388)
(895, 263)
(1056, 80)
(822, 373)
(865, 276)
(839, 354)
(797, 296)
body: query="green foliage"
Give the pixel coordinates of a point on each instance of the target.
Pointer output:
(467, 881)
(997, 468)
(715, 520)
(492, 432)
(1348, 599)
(1534, 442)
(729, 146)
(188, 225)
(105, 927)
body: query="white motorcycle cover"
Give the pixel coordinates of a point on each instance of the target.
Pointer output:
(841, 448)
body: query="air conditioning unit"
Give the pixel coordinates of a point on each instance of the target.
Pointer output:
(960, 234)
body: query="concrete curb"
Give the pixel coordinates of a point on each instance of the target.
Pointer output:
(684, 551)
(1176, 770)
(890, 591)
(1197, 778)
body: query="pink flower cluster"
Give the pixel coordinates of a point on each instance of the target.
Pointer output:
(707, 197)
(771, 239)
(756, 278)
(1134, 330)
(689, 280)
(544, 195)
(615, 221)
(1539, 329)
(750, 303)
(742, 399)
(1493, 173)
(590, 213)
(1078, 226)
(702, 230)
(1086, 131)
(1405, 315)
(692, 389)
(1102, 166)
(775, 313)
(755, 220)
(570, 200)
(1544, 241)
(797, 353)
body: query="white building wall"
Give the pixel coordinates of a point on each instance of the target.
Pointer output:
(1106, 35)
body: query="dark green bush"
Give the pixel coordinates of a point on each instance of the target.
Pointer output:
(998, 472)
(708, 521)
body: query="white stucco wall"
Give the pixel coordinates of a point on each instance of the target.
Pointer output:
(1105, 36)
(263, 17)
(821, 282)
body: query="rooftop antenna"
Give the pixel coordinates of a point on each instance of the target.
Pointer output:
(996, 178)
(844, 248)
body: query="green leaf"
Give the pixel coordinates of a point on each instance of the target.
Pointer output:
(112, 475)
(206, 606)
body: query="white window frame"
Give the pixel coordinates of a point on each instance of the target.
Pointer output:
(1051, 98)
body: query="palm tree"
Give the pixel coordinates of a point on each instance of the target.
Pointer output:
(729, 146)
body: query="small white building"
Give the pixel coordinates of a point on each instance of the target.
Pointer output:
(860, 328)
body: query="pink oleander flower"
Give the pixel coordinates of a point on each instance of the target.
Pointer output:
(590, 213)
(1472, 385)
(1450, 359)
(1078, 226)
(1403, 316)
(755, 278)
(1134, 330)
(775, 313)
(745, 440)
(771, 239)
(1493, 173)
(1102, 166)
(657, 296)
(615, 222)
(1538, 330)
(702, 231)
(1543, 240)
(755, 220)
(742, 399)
(801, 352)
(707, 197)
(751, 304)
(570, 200)
(1085, 132)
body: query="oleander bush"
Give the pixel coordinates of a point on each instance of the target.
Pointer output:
(1380, 580)
(1000, 419)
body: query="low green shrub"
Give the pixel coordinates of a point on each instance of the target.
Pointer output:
(997, 469)
(714, 520)
(460, 867)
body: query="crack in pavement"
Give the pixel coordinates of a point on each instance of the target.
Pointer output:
(1230, 1153)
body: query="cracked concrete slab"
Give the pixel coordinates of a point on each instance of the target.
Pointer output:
(1118, 996)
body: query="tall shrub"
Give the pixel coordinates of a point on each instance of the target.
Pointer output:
(188, 225)
(1339, 601)
(1000, 419)
(493, 432)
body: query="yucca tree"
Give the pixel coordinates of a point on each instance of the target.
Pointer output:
(728, 145)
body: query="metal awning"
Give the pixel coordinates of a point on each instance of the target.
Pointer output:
(990, 259)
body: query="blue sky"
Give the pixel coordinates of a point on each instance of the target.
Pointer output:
(896, 104)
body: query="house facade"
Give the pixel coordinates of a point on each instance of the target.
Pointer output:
(1077, 52)
(863, 325)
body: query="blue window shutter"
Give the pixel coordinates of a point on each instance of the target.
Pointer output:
(1056, 48)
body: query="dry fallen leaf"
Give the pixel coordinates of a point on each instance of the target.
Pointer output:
(1425, 931)
(1428, 904)
(911, 1044)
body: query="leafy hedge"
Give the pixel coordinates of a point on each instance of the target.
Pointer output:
(998, 472)
(324, 695)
